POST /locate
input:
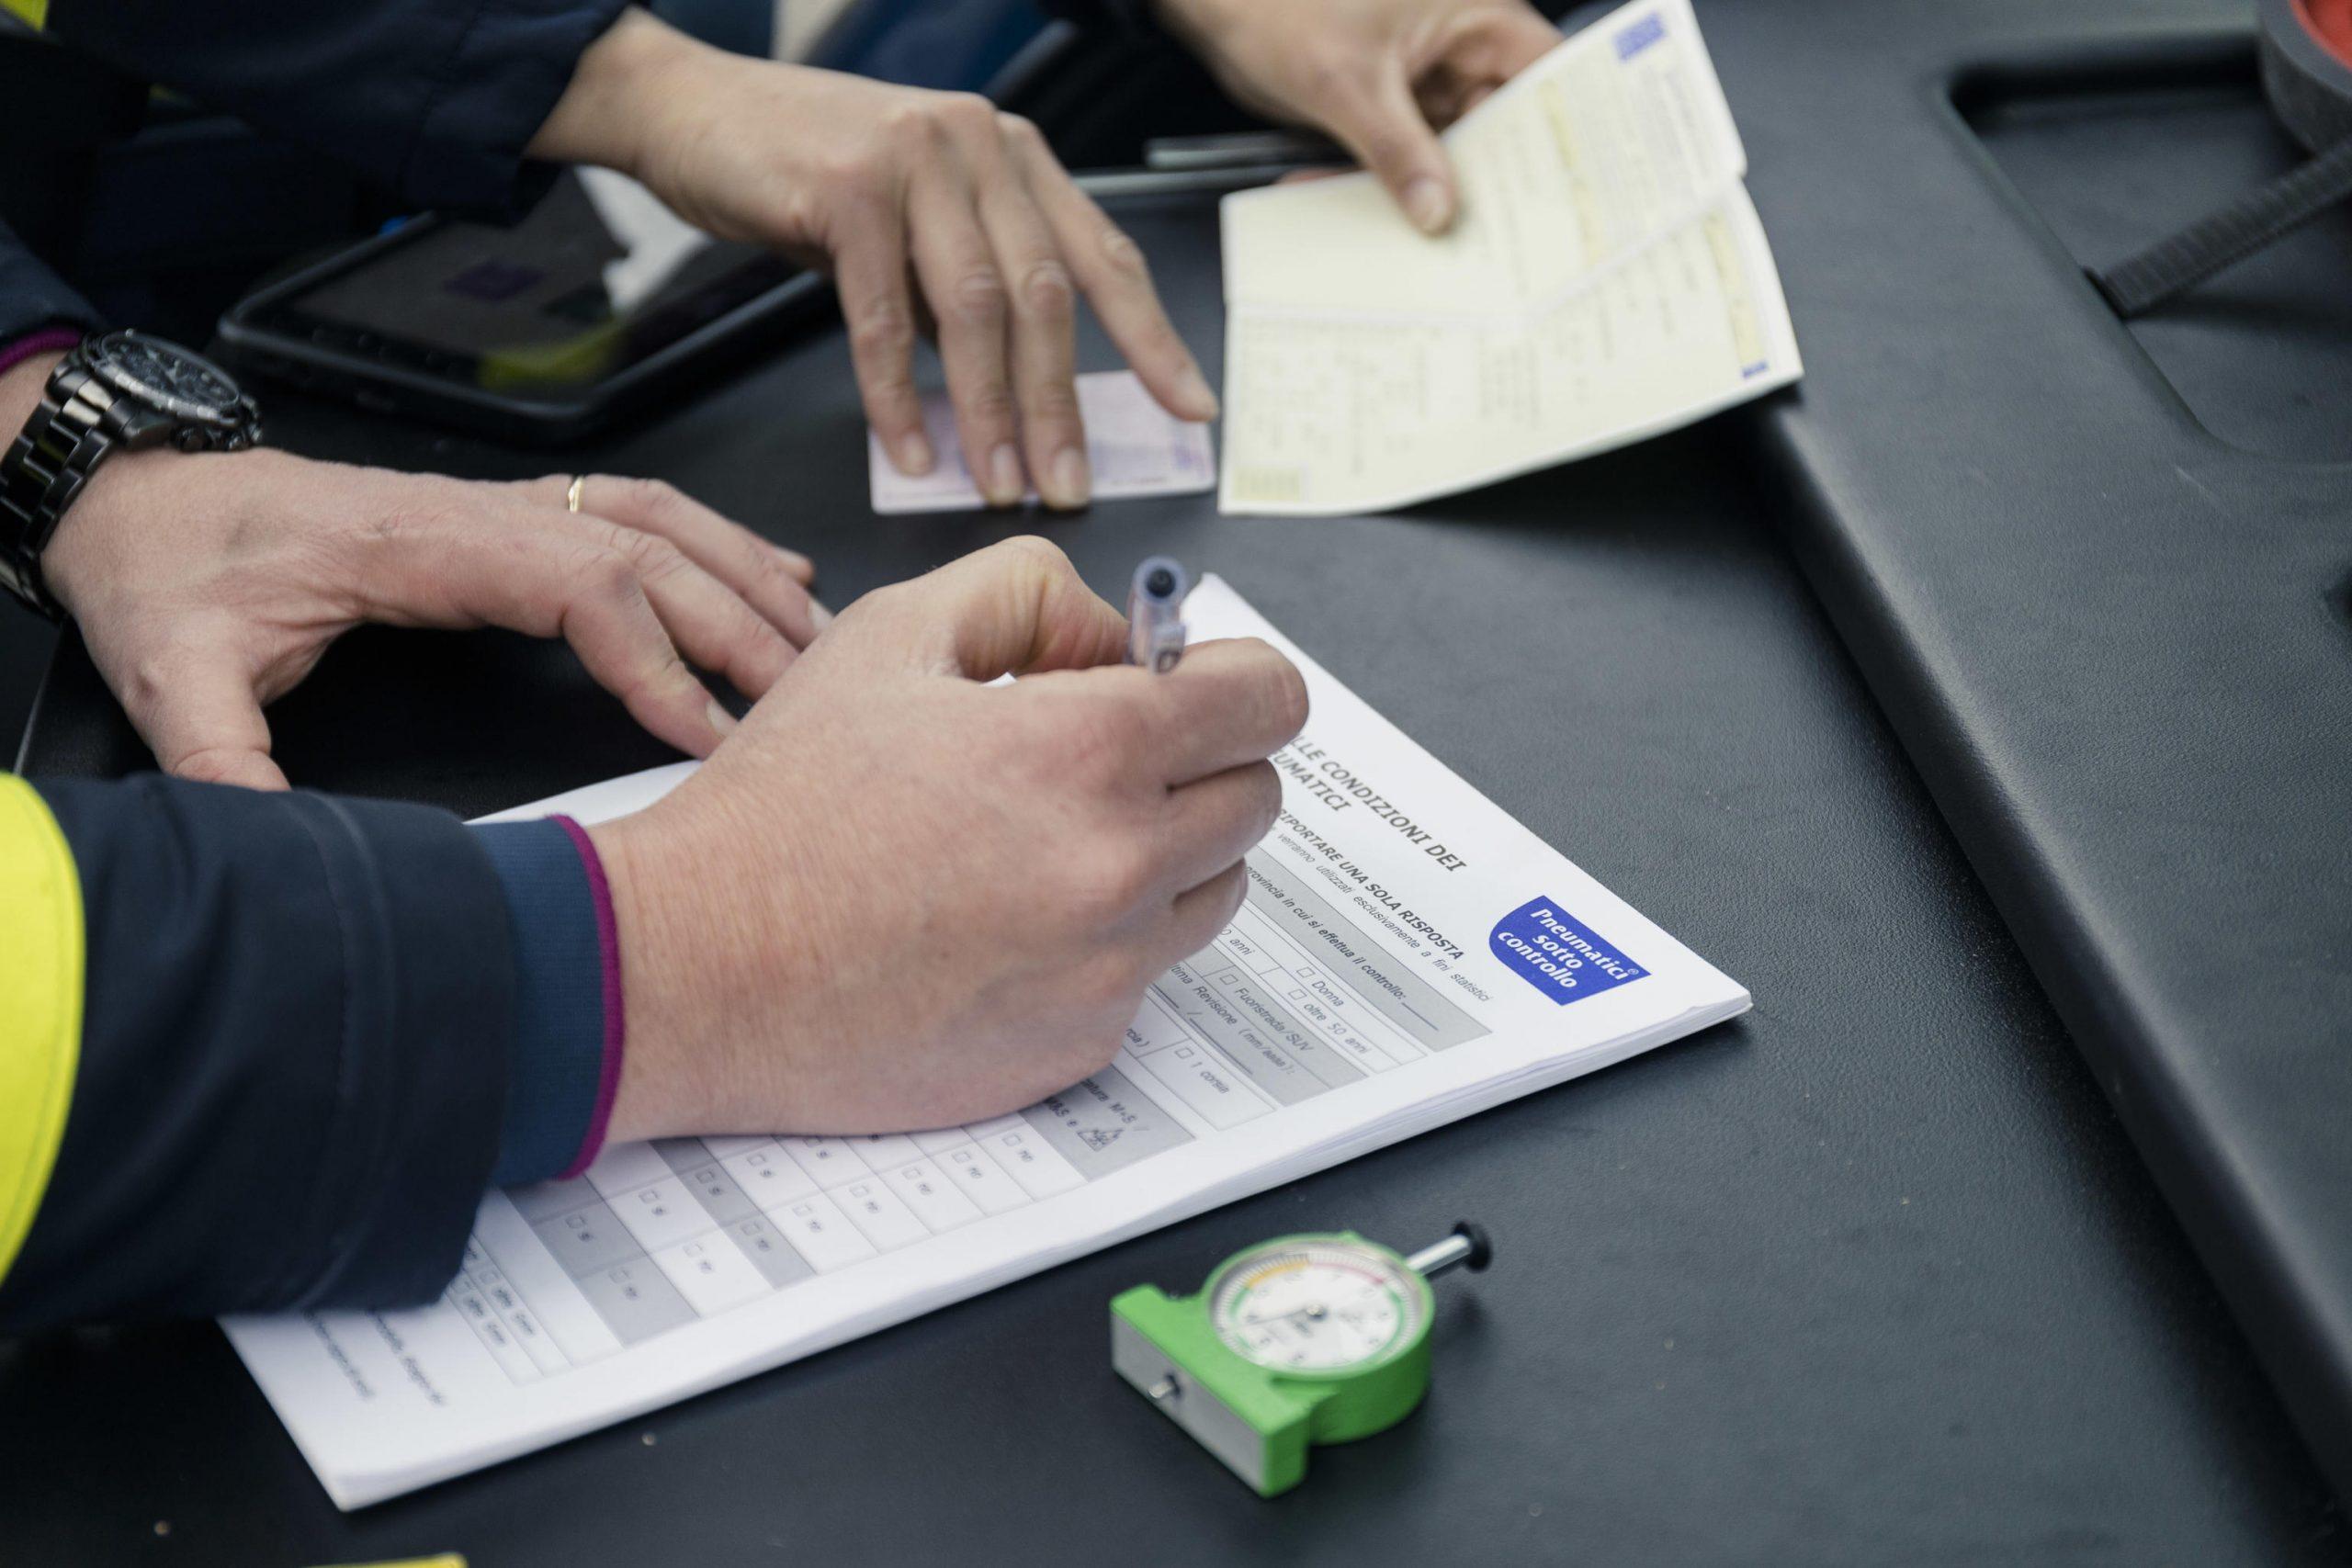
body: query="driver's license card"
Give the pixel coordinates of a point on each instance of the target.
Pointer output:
(1134, 446)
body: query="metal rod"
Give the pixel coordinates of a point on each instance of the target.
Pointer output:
(1467, 1244)
(1431, 1261)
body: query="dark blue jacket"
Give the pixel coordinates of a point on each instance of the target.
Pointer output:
(432, 100)
(311, 1030)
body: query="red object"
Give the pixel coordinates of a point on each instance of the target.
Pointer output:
(2330, 21)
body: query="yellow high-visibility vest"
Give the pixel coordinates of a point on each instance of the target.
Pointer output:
(40, 1002)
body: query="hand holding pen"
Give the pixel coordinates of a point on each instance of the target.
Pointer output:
(901, 896)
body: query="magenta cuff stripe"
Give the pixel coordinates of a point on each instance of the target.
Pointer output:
(49, 340)
(609, 948)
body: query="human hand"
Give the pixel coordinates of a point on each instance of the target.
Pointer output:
(902, 898)
(1382, 76)
(925, 206)
(207, 586)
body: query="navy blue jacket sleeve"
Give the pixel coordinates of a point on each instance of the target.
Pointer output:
(560, 1026)
(432, 98)
(294, 1064)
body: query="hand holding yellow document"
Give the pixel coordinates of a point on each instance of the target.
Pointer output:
(1608, 280)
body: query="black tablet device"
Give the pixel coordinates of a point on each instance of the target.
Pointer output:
(597, 305)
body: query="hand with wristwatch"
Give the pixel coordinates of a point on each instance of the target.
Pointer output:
(122, 392)
(209, 574)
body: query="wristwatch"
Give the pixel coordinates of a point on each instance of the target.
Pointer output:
(120, 392)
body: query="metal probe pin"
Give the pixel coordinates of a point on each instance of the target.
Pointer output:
(1467, 1246)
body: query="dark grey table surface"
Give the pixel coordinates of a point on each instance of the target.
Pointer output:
(2096, 576)
(1871, 1275)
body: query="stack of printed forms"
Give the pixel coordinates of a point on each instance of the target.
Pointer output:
(1607, 280)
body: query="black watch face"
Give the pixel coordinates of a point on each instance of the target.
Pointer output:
(165, 376)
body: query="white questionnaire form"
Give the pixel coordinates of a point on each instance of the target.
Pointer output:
(1134, 446)
(1606, 280)
(1407, 954)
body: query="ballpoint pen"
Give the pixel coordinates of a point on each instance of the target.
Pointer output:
(1156, 615)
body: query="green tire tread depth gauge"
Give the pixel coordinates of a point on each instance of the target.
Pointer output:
(1304, 1339)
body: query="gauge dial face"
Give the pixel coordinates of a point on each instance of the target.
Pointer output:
(1316, 1307)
